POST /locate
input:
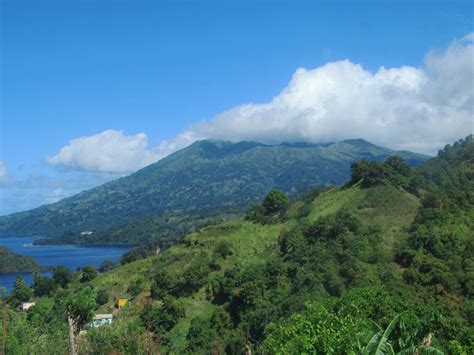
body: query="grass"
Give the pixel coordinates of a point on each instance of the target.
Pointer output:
(333, 200)
(389, 208)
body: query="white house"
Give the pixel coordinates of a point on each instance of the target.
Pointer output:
(100, 320)
(24, 306)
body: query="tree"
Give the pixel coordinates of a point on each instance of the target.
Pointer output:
(275, 201)
(80, 307)
(19, 282)
(196, 273)
(89, 273)
(398, 164)
(161, 318)
(80, 311)
(20, 293)
(200, 335)
(164, 284)
(62, 276)
(43, 286)
(106, 265)
(369, 173)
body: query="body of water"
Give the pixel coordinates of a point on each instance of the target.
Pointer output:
(69, 256)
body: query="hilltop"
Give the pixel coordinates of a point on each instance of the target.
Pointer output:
(203, 180)
(390, 249)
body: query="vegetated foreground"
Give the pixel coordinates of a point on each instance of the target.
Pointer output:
(381, 265)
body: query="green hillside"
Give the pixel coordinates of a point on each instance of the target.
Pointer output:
(12, 262)
(381, 265)
(196, 182)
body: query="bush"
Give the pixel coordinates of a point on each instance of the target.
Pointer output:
(107, 265)
(195, 274)
(275, 201)
(89, 273)
(62, 276)
(102, 297)
(270, 211)
(223, 250)
(43, 286)
(164, 284)
(161, 319)
(394, 171)
(200, 336)
(137, 286)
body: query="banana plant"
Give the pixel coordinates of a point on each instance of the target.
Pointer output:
(379, 344)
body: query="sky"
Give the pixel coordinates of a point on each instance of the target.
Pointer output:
(94, 90)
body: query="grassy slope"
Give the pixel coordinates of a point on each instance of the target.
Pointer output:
(390, 209)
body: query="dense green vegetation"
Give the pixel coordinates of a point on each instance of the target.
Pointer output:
(12, 262)
(381, 265)
(163, 230)
(207, 179)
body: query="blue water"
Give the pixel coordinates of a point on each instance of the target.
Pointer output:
(69, 256)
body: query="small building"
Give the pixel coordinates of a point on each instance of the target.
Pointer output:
(122, 302)
(24, 306)
(100, 320)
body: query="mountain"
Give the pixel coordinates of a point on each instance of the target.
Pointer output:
(206, 176)
(328, 273)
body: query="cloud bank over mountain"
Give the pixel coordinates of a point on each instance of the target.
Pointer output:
(419, 109)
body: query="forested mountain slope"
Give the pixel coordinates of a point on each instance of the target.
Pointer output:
(12, 262)
(206, 176)
(383, 262)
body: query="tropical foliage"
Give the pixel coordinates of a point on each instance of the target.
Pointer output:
(381, 265)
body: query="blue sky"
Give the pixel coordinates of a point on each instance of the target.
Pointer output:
(73, 69)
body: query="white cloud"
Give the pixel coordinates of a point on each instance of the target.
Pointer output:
(411, 108)
(109, 151)
(3, 169)
(420, 109)
(4, 178)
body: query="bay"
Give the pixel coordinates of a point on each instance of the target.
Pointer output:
(69, 256)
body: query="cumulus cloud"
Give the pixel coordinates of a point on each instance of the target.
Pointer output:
(407, 108)
(4, 178)
(109, 151)
(419, 109)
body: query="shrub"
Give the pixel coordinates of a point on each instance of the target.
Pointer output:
(102, 297)
(89, 273)
(223, 250)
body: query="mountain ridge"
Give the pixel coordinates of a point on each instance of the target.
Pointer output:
(205, 174)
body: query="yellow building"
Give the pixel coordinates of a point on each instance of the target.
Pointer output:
(121, 302)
